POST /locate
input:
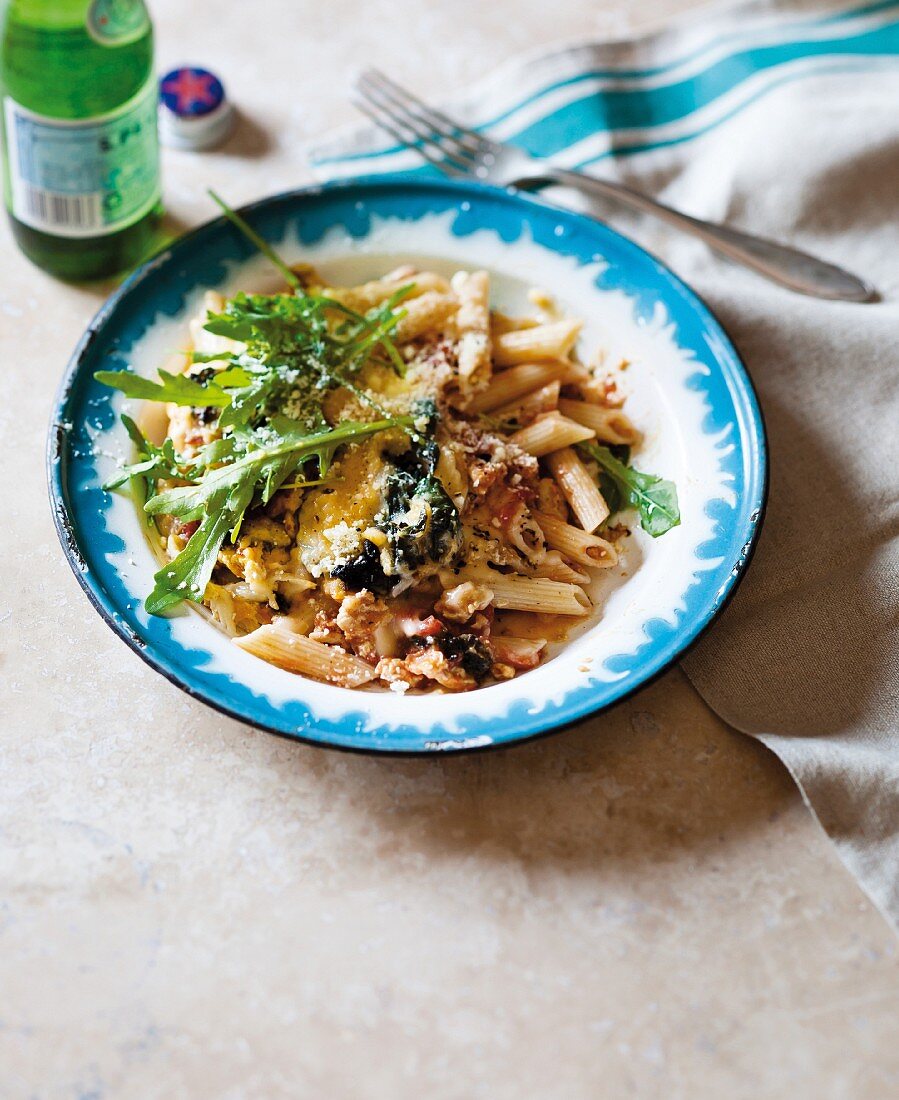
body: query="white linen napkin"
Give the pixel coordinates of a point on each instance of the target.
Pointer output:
(781, 118)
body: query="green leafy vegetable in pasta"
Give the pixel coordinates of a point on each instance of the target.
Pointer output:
(418, 517)
(253, 237)
(219, 499)
(297, 349)
(266, 398)
(153, 462)
(420, 520)
(179, 389)
(654, 498)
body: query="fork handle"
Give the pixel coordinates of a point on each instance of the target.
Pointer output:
(787, 266)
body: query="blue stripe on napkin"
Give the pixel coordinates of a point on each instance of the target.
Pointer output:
(595, 112)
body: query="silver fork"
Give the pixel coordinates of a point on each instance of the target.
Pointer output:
(460, 152)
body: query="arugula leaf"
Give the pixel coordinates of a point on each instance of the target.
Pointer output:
(232, 377)
(264, 247)
(180, 389)
(611, 492)
(153, 462)
(297, 348)
(295, 354)
(185, 577)
(223, 494)
(654, 498)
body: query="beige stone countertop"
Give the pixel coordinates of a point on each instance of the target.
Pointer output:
(191, 908)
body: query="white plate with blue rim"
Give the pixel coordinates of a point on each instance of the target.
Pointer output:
(687, 390)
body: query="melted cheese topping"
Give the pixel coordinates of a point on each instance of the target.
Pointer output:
(333, 519)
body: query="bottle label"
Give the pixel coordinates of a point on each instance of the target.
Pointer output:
(117, 22)
(84, 178)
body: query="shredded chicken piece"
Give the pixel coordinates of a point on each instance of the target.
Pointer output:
(460, 603)
(433, 665)
(492, 460)
(601, 391)
(394, 670)
(359, 617)
(325, 629)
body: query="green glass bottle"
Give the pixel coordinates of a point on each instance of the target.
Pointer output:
(81, 164)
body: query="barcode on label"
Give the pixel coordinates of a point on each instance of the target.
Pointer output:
(53, 210)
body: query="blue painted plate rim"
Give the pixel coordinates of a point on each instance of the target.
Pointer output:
(66, 525)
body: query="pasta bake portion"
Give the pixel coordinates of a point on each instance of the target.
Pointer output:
(387, 484)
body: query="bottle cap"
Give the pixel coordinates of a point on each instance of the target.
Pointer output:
(194, 112)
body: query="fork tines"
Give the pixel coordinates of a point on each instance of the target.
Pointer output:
(449, 146)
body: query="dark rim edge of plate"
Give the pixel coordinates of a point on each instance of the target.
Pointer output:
(66, 531)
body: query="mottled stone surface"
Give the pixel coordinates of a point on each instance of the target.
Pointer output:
(641, 906)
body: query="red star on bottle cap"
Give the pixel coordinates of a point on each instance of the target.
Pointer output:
(191, 91)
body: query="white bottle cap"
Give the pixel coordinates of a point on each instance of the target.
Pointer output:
(194, 112)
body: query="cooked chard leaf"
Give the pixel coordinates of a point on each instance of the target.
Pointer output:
(179, 389)
(654, 498)
(420, 519)
(471, 652)
(223, 494)
(365, 571)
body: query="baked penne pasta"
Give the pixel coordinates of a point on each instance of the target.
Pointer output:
(514, 592)
(278, 645)
(552, 341)
(501, 322)
(609, 425)
(427, 313)
(556, 567)
(473, 326)
(550, 433)
(579, 488)
(512, 384)
(375, 293)
(577, 544)
(528, 408)
(397, 476)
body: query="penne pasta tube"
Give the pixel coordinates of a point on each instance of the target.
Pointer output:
(278, 645)
(559, 568)
(473, 325)
(610, 425)
(514, 592)
(531, 405)
(552, 341)
(427, 313)
(580, 546)
(501, 322)
(577, 374)
(550, 432)
(579, 488)
(368, 295)
(512, 384)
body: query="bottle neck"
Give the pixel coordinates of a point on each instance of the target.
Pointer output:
(94, 56)
(112, 18)
(50, 14)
